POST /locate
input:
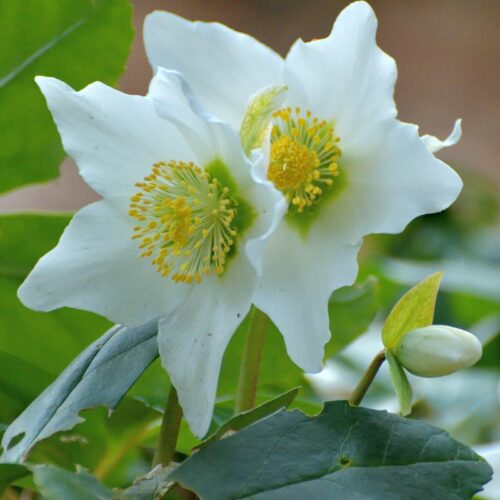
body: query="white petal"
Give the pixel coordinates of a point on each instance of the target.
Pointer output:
(115, 138)
(434, 144)
(297, 280)
(193, 338)
(97, 267)
(344, 77)
(208, 137)
(271, 206)
(390, 179)
(223, 66)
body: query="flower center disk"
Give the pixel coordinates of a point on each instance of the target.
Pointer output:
(304, 157)
(185, 221)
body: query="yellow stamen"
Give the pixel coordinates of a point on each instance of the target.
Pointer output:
(185, 221)
(304, 157)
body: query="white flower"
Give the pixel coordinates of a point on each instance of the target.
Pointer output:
(438, 350)
(178, 234)
(346, 164)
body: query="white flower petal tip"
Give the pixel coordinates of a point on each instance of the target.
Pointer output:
(438, 350)
(193, 338)
(434, 144)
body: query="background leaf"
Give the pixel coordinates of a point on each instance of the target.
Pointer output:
(101, 375)
(34, 347)
(56, 483)
(9, 472)
(345, 452)
(415, 309)
(77, 41)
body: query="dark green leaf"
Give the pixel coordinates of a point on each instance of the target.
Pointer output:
(101, 375)
(345, 452)
(246, 418)
(78, 41)
(11, 472)
(55, 483)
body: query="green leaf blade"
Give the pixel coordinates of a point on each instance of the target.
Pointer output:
(56, 483)
(246, 418)
(415, 309)
(345, 452)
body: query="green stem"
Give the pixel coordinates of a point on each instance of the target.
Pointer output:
(363, 385)
(169, 430)
(249, 371)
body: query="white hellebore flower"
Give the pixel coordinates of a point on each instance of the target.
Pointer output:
(347, 166)
(179, 232)
(438, 350)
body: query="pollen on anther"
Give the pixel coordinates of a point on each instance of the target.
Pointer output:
(304, 156)
(185, 221)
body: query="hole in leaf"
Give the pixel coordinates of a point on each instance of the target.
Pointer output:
(345, 461)
(16, 439)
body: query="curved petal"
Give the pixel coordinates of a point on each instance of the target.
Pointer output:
(193, 338)
(97, 267)
(115, 138)
(434, 144)
(390, 179)
(271, 206)
(208, 137)
(223, 66)
(297, 280)
(344, 77)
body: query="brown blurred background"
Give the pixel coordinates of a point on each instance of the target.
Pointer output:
(447, 51)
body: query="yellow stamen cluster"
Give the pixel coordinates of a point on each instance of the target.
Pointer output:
(304, 157)
(185, 221)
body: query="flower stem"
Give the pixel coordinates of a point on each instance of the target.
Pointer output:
(169, 430)
(363, 385)
(249, 371)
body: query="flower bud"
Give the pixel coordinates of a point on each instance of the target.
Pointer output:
(437, 350)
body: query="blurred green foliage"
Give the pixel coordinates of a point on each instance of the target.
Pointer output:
(58, 38)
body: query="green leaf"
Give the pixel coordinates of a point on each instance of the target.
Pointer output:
(415, 309)
(55, 483)
(10, 472)
(345, 452)
(246, 418)
(400, 383)
(77, 41)
(101, 375)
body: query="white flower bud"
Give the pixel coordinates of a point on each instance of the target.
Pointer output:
(438, 350)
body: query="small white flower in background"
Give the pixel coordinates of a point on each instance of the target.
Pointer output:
(438, 350)
(179, 232)
(347, 166)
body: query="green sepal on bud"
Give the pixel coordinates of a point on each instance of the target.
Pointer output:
(437, 350)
